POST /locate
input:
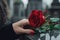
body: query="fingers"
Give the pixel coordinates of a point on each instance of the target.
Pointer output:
(20, 30)
(29, 31)
(22, 22)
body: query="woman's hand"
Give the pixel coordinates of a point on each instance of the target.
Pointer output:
(18, 27)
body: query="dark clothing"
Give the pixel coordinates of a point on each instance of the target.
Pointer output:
(7, 33)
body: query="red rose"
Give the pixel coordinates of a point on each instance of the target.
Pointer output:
(33, 18)
(36, 18)
(42, 18)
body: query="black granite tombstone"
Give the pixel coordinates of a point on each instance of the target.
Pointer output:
(55, 8)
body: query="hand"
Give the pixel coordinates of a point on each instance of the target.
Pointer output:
(18, 27)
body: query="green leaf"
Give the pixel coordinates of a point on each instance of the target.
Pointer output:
(54, 19)
(57, 26)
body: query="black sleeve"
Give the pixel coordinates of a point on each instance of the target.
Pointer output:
(7, 33)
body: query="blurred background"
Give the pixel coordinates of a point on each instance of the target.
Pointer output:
(20, 9)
